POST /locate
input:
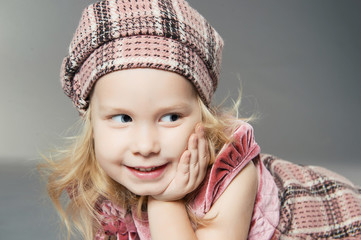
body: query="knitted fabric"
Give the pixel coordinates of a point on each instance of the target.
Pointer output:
(316, 203)
(123, 34)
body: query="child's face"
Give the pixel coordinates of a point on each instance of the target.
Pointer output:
(142, 119)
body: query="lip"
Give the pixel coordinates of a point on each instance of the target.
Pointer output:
(151, 173)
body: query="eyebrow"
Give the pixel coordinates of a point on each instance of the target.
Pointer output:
(107, 109)
(175, 107)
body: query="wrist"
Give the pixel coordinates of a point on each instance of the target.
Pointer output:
(155, 200)
(159, 206)
(162, 213)
(169, 197)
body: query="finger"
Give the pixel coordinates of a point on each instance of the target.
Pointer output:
(177, 187)
(202, 146)
(183, 172)
(192, 141)
(194, 165)
(200, 130)
(193, 149)
(203, 153)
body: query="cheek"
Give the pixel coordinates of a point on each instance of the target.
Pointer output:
(176, 142)
(99, 151)
(104, 145)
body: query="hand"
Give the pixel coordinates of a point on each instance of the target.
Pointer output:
(191, 169)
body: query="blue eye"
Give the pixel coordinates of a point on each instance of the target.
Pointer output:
(122, 118)
(170, 117)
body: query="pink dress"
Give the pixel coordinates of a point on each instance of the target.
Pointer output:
(233, 157)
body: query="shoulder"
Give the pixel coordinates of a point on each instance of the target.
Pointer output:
(241, 142)
(235, 155)
(228, 164)
(230, 216)
(243, 139)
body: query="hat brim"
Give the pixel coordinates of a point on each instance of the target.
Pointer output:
(142, 51)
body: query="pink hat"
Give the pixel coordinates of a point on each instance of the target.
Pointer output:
(123, 34)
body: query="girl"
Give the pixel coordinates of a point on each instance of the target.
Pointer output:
(154, 159)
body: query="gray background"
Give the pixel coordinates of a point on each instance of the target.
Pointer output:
(299, 63)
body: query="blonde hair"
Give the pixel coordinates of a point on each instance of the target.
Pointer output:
(76, 172)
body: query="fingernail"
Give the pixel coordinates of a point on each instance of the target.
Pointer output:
(195, 141)
(201, 130)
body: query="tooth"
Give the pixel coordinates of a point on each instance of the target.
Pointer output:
(145, 169)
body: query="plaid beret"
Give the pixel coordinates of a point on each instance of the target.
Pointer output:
(123, 34)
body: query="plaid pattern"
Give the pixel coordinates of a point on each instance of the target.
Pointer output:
(123, 34)
(315, 202)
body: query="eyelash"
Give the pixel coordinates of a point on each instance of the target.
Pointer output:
(125, 118)
(122, 120)
(178, 116)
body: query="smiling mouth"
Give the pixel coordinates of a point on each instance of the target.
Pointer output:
(147, 169)
(148, 173)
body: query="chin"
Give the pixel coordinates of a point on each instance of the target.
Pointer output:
(148, 191)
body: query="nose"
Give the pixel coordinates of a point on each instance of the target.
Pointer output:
(146, 141)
